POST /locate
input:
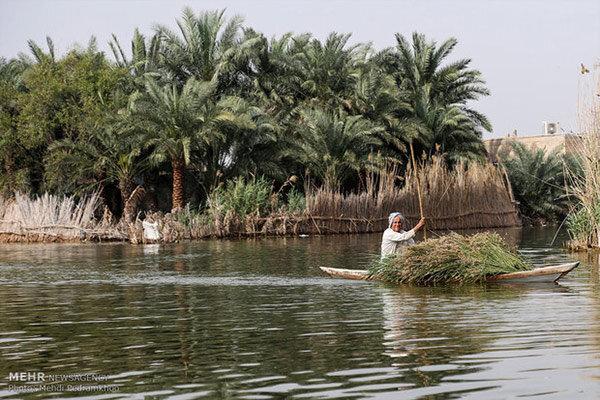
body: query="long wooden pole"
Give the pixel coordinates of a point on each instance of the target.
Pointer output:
(414, 166)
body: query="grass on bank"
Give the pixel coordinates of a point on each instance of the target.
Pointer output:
(451, 259)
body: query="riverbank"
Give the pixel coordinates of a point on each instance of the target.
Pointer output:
(456, 199)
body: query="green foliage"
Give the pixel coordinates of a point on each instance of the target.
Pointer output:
(296, 202)
(190, 217)
(207, 47)
(584, 224)
(145, 55)
(65, 98)
(334, 145)
(217, 98)
(15, 159)
(241, 197)
(538, 181)
(436, 95)
(110, 155)
(52, 100)
(450, 259)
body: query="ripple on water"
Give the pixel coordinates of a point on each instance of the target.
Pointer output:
(257, 320)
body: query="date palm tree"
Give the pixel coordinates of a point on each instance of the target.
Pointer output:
(538, 180)
(145, 55)
(207, 47)
(327, 69)
(438, 92)
(179, 122)
(112, 154)
(15, 159)
(300, 70)
(38, 55)
(376, 97)
(275, 78)
(333, 145)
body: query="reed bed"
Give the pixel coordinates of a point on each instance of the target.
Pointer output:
(584, 222)
(52, 218)
(451, 259)
(468, 196)
(474, 196)
(464, 197)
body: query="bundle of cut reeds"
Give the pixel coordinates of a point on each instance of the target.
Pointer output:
(451, 259)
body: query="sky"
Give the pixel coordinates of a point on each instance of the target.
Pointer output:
(528, 51)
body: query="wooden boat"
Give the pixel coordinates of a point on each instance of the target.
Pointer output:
(545, 274)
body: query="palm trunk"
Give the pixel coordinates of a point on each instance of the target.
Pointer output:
(178, 184)
(131, 205)
(126, 188)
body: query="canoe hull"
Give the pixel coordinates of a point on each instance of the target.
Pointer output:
(545, 274)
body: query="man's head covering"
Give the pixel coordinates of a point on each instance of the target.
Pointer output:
(393, 216)
(402, 219)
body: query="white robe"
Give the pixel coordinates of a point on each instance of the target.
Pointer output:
(393, 242)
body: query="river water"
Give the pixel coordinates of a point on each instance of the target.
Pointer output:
(255, 319)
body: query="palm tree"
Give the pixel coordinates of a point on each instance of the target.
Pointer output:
(453, 134)
(299, 70)
(111, 155)
(275, 76)
(437, 94)
(11, 72)
(38, 54)
(180, 121)
(206, 48)
(15, 159)
(296, 72)
(257, 149)
(327, 69)
(376, 97)
(333, 145)
(538, 181)
(145, 55)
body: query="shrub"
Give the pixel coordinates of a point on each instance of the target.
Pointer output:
(241, 197)
(296, 202)
(584, 225)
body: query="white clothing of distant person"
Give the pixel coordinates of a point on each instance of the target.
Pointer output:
(395, 239)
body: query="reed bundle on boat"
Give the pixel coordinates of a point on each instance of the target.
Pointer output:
(452, 258)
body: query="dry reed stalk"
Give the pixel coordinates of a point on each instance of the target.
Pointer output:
(586, 186)
(420, 196)
(461, 198)
(54, 218)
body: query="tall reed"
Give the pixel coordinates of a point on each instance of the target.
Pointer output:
(584, 222)
(49, 215)
(473, 196)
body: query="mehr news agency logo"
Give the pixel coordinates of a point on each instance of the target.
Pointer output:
(42, 382)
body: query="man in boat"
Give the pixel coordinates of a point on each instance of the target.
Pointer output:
(395, 239)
